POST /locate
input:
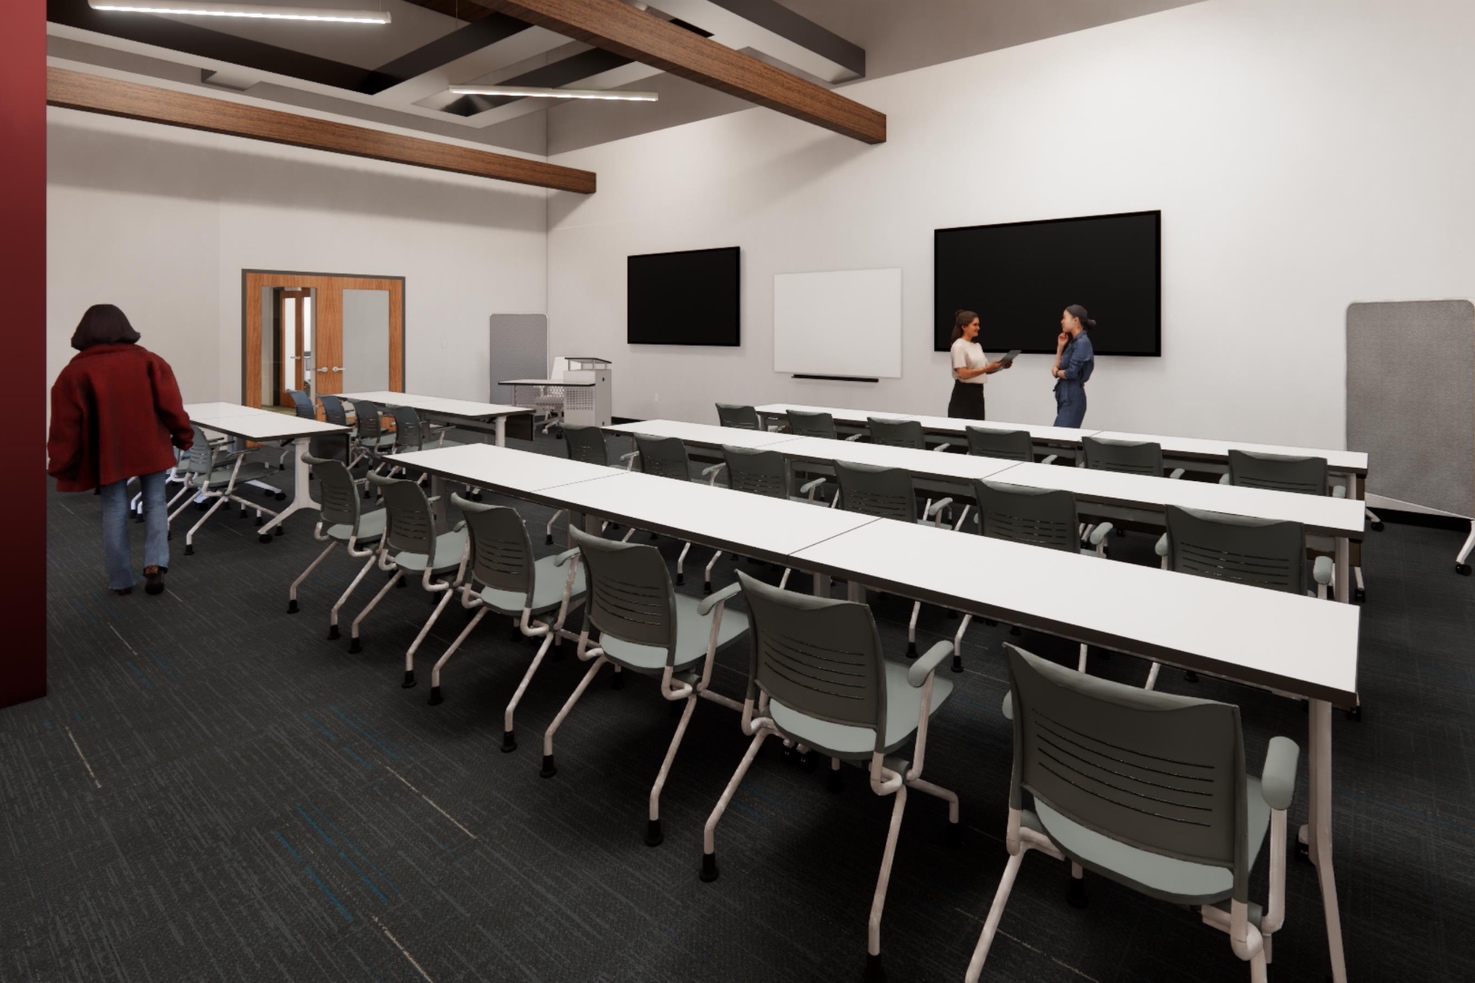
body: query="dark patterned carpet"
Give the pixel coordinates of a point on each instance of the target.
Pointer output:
(214, 791)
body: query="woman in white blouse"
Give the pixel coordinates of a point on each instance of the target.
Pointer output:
(970, 368)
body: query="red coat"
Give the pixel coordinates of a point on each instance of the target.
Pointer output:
(115, 414)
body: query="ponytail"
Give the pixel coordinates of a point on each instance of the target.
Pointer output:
(961, 319)
(1079, 313)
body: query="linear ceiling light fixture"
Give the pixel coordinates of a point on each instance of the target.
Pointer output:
(258, 11)
(534, 92)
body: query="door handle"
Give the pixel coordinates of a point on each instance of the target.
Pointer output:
(336, 368)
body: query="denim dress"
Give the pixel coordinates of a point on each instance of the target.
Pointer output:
(1077, 362)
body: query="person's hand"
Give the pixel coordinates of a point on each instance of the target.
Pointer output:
(1061, 341)
(1007, 365)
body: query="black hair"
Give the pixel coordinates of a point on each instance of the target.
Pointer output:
(1079, 312)
(961, 319)
(103, 324)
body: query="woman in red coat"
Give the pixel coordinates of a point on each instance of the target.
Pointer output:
(116, 414)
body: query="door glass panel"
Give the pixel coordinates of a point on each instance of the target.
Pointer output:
(365, 340)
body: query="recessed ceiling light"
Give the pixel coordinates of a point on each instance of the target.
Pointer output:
(257, 11)
(534, 92)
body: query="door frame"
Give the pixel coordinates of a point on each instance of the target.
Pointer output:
(327, 310)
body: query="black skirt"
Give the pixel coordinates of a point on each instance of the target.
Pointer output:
(967, 401)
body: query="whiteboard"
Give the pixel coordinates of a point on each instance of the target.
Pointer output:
(846, 323)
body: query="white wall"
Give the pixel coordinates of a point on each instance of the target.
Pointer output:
(1305, 154)
(161, 221)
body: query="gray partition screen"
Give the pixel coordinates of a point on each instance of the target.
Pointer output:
(519, 351)
(1411, 400)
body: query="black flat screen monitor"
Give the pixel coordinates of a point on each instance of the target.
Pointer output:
(1019, 277)
(689, 298)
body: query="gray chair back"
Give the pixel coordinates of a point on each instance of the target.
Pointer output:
(896, 433)
(819, 656)
(410, 527)
(664, 457)
(200, 458)
(333, 410)
(409, 434)
(338, 495)
(884, 492)
(741, 417)
(303, 404)
(1037, 516)
(1009, 445)
(630, 595)
(1123, 455)
(759, 472)
(586, 444)
(1306, 475)
(368, 424)
(805, 424)
(501, 553)
(1233, 547)
(1160, 772)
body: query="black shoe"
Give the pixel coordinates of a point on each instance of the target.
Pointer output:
(155, 580)
(122, 591)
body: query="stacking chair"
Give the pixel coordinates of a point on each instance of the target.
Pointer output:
(818, 678)
(411, 546)
(758, 472)
(210, 471)
(1010, 445)
(899, 433)
(1148, 789)
(342, 520)
(303, 404)
(741, 417)
(583, 444)
(1036, 517)
(664, 457)
(513, 584)
(334, 412)
(1126, 456)
(370, 441)
(889, 494)
(646, 627)
(551, 400)
(802, 423)
(1263, 553)
(1304, 475)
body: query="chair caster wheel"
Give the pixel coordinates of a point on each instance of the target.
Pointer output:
(709, 867)
(509, 742)
(435, 698)
(201, 506)
(1463, 569)
(260, 520)
(333, 634)
(1075, 893)
(707, 587)
(1359, 595)
(279, 530)
(954, 835)
(548, 539)
(911, 650)
(409, 682)
(263, 538)
(280, 496)
(1378, 526)
(549, 768)
(189, 549)
(1355, 713)
(292, 606)
(680, 579)
(957, 663)
(875, 972)
(355, 645)
(653, 834)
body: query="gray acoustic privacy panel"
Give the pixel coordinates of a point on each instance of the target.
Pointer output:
(519, 351)
(1411, 400)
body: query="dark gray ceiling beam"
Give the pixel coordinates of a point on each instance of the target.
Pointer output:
(773, 16)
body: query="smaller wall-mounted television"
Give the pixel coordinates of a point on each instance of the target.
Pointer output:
(686, 298)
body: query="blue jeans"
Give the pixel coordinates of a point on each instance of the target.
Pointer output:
(115, 549)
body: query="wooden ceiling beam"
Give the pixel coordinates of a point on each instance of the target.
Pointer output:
(111, 97)
(641, 36)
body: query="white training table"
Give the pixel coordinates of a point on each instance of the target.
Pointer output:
(520, 474)
(253, 424)
(704, 434)
(453, 411)
(1040, 434)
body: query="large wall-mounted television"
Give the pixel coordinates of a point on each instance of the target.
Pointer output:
(687, 298)
(1020, 276)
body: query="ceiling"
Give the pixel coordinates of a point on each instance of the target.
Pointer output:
(398, 74)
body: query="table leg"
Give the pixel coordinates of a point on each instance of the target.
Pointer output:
(438, 505)
(501, 426)
(1343, 578)
(301, 493)
(1319, 831)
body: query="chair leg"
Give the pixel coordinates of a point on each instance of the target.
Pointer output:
(549, 768)
(958, 643)
(189, 537)
(680, 562)
(292, 591)
(1081, 664)
(1152, 676)
(509, 738)
(784, 580)
(995, 914)
(353, 634)
(707, 586)
(445, 599)
(912, 631)
(709, 832)
(954, 830)
(878, 902)
(549, 539)
(435, 697)
(343, 598)
(653, 835)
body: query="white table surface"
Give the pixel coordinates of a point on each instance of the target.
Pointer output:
(1319, 514)
(1301, 645)
(255, 424)
(545, 382)
(704, 434)
(923, 464)
(938, 424)
(513, 471)
(438, 404)
(1341, 462)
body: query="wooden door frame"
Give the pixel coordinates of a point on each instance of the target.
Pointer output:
(279, 295)
(328, 295)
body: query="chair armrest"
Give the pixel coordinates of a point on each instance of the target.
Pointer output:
(713, 469)
(628, 455)
(1339, 491)
(855, 436)
(1161, 547)
(466, 504)
(1321, 570)
(1278, 779)
(1100, 532)
(918, 671)
(1177, 473)
(1224, 479)
(810, 486)
(565, 556)
(458, 527)
(725, 594)
(1008, 706)
(942, 446)
(1050, 459)
(938, 506)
